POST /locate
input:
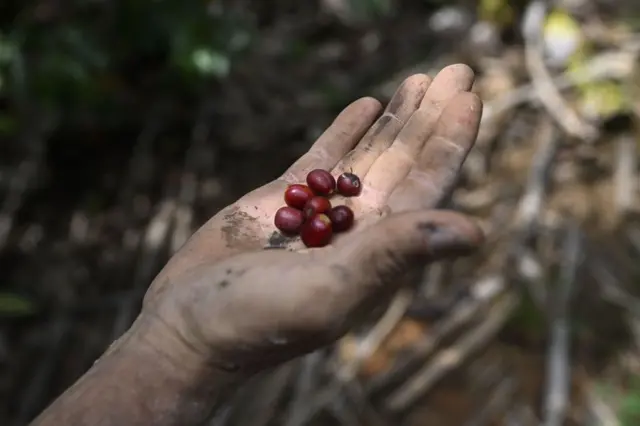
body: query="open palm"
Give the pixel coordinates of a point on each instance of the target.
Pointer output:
(407, 158)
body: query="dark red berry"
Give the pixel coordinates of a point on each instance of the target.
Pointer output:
(288, 220)
(316, 205)
(317, 231)
(297, 195)
(321, 181)
(341, 218)
(349, 184)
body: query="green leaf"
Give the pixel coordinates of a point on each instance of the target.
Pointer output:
(563, 37)
(528, 319)
(15, 306)
(630, 409)
(8, 123)
(210, 62)
(495, 11)
(8, 50)
(601, 100)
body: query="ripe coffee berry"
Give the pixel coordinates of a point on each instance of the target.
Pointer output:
(321, 182)
(349, 184)
(297, 195)
(316, 205)
(288, 220)
(341, 218)
(317, 231)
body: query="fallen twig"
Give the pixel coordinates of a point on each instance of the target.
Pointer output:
(558, 376)
(611, 290)
(452, 357)
(464, 312)
(599, 413)
(541, 79)
(521, 415)
(497, 402)
(531, 203)
(303, 389)
(625, 175)
(261, 407)
(614, 64)
(377, 334)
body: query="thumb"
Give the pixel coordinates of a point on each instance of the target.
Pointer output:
(379, 255)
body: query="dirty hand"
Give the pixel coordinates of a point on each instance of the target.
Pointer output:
(226, 301)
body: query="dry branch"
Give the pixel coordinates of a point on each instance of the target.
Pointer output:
(558, 376)
(541, 79)
(450, 358)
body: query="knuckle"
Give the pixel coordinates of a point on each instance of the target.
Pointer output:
(289, 177)
(391, 117)
(424, 182)
(446, 146)
(320, 154)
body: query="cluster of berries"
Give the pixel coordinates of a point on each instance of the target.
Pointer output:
(309, 212)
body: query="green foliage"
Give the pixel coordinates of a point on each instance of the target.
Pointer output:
(364, 10)
(496, 11)
(629, 414)
(88, 62)
(13, 305)
(528, 319)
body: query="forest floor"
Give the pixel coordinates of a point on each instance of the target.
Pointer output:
(542, 325)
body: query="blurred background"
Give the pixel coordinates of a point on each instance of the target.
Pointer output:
(125, 125)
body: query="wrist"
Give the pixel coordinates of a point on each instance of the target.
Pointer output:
(144, 378)
(152, 340)
(183, 383)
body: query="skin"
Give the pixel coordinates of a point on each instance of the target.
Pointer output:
(224, 308)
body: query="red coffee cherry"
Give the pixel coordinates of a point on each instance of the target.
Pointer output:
(288, 220)
(317, 231)
(321, 182)
(315, 206)
(297, 195)
(349, 184)
(341, 218)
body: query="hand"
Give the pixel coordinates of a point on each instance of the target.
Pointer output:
(234, 304)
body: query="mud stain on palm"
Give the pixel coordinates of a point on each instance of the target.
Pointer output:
(236, 272)
(279, 241)
(241, 230)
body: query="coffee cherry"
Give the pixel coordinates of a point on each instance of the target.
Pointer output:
(321, 182)
(349, 184)
(297, 195)
(341, 218)
(315, 206)
(317, 231)
(288, 220)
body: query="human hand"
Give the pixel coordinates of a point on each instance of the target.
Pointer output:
(234, 304)
(399, 169)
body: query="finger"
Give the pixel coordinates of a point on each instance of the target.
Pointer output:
(370, 262)
(343, 134)
(439, 163)
(449, 81)
(402, 105)
(392, 166)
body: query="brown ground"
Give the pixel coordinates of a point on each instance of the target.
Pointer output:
(80, 248)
